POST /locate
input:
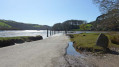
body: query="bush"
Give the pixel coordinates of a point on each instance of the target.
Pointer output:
(115, 38)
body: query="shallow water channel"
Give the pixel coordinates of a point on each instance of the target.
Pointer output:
(71, 50)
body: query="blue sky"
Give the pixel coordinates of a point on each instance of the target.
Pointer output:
(48, 12)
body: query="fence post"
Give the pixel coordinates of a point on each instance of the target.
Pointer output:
(47, 32)
(50, 32)
(54, 31)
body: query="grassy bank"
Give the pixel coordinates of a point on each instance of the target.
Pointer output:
(7, 41)
(87, 41)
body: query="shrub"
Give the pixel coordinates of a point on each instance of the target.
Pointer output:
(115, 38)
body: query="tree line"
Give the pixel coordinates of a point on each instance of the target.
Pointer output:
(108, 21)
(68, 25)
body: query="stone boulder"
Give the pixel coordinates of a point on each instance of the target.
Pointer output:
(102, 41)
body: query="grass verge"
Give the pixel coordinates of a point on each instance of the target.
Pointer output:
(87, 41)
(7, 41)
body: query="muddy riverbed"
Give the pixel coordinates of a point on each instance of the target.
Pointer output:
(88, 59)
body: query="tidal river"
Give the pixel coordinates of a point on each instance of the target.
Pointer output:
(14, 33)
(43, 33)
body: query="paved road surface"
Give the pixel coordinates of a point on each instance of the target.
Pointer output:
(43, 53)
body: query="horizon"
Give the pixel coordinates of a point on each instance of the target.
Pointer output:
(48, 12)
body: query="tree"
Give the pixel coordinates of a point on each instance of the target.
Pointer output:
(107, 5)
(85, 26)
(57, 26)
(94, 25)
(108, 21)
(68, 25)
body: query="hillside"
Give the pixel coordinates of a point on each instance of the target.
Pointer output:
(13, 25)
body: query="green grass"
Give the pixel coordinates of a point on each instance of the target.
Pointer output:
(87, 41)
(5, 25)
(114, 40)
(7, 41)
(25, 38)
(37, 26)
(19, 37)
(89, 25)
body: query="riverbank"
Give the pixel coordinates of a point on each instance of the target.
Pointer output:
(48, 52)
(8, 41)
(87, 41)
(51, 52)
(90, 58)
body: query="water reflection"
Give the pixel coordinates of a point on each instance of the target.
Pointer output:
(13, 33)
(71, 50)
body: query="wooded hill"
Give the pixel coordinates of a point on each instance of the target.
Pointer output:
(68, 25)
(13, 25)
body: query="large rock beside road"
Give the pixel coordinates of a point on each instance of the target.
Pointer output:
(102, 41)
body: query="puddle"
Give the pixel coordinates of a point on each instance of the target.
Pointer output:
(71, 50)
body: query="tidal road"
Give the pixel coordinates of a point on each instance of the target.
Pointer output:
(42, 53)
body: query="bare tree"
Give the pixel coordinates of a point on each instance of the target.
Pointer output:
(107, 5)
